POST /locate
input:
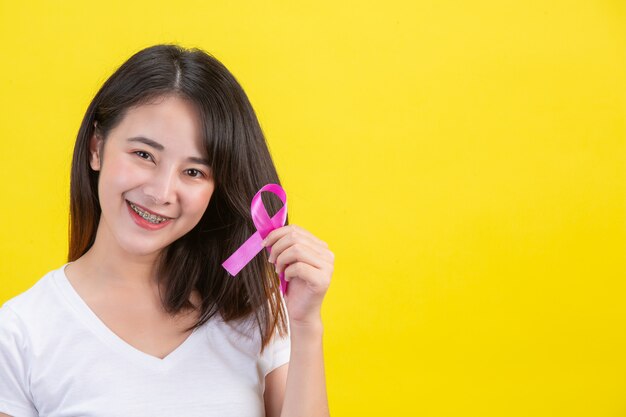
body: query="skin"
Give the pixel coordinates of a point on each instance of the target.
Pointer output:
(121, 287)
(308, 266)
(116, 276)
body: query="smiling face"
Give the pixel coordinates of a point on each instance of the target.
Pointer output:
(155, 182)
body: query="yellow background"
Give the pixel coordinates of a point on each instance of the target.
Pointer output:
(465, 160)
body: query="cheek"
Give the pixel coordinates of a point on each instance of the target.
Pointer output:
(120, 174)
(199, 200)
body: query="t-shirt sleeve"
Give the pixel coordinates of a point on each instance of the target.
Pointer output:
(276, 353)
(15, 396)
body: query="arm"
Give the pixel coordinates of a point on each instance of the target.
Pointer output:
(305, 394)
(300, 389)
(285, 393)
(274, 394)
(15, 364)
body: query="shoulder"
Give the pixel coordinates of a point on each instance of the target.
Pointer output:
(15, 339)
(34, 293)
(246, 334)
(11, 326)
(240, 332)
(31, 306)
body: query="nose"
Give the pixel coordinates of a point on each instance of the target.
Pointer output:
(161, 188)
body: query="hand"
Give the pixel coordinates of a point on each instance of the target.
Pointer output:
(308, 265)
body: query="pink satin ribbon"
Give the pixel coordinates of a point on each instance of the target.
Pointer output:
(264, 225)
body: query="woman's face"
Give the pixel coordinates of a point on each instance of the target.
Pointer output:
(155, 182)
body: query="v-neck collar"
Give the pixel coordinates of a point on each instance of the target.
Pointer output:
(91, 320)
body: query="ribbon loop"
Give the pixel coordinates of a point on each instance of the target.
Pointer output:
(264, 225)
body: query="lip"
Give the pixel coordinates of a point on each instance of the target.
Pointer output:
(143, 223)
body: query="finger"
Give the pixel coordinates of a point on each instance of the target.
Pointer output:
(300, 253)
(291, 239)
(309, 234)
(276, 234)
(316, 280)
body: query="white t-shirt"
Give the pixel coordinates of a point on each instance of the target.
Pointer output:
(58, 359)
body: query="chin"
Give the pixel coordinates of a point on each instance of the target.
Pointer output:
(147, 246)
(142, 250)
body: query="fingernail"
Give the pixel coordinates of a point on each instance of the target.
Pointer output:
(264, 243)
(270, 260)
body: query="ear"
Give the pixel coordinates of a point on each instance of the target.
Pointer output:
(95, 147)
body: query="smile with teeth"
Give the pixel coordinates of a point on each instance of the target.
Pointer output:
(152, 218)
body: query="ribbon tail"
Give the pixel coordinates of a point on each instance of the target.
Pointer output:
(244, 254)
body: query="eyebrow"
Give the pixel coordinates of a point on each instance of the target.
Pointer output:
(156, 145)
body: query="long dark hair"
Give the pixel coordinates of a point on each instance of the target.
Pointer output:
(241, 165)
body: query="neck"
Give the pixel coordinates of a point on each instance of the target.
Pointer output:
(110, 265)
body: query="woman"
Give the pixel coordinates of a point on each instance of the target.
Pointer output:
(143, 320)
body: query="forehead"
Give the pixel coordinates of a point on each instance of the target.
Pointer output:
(168, 120)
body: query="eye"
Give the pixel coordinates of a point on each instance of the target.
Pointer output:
(143, 155)
(195, 173)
